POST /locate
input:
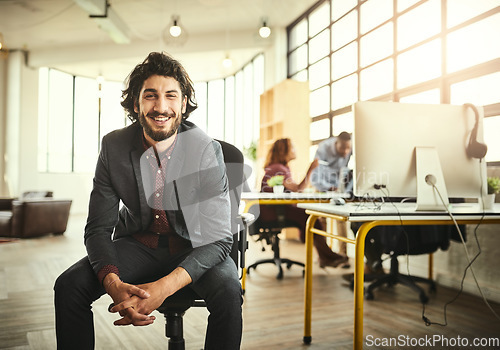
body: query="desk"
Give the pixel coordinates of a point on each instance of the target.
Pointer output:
(252, 198)
(388, 214)
(270, 198)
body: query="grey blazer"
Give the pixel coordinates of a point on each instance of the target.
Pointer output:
(196, 197)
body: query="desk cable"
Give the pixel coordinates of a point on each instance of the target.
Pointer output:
(387, 194)
(469, 265)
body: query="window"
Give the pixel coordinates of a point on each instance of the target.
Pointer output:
(86, 123)
(215, 125)
(199, 115)
(228, 109)
(419, 64)
(377, 45)
(472, 45)
(426, 17)
(59, 128)
(415, 51)
(74, 114)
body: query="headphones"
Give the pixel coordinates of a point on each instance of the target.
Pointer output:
(475, 149)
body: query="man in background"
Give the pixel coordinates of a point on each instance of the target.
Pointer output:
(333, 155)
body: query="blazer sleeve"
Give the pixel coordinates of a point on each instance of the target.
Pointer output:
(102, 217)
(208, 217)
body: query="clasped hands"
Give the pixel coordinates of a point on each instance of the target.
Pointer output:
(134, 303)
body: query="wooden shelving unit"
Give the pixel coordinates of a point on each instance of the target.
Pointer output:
(284, 112)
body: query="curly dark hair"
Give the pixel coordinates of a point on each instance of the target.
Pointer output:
(278, 152)
(157, 63)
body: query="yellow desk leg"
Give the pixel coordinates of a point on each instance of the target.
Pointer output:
(359, 280)
(308, 279)
(243, 279)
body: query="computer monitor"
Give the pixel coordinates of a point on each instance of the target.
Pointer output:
(404, 148)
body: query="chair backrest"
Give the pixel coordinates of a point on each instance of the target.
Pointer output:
(233, 158)
(37, 194)
(411, 239)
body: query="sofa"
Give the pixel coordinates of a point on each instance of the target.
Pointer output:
(32, 216)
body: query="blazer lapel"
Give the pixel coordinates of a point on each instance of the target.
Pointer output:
(135, 158)
(173, 172)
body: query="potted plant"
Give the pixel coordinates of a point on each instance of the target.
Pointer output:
(493, 185)
(493, 189)
(276, 182)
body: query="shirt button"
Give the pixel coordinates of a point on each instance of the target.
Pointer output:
(159, 171)
(157, 216)
(157, 195)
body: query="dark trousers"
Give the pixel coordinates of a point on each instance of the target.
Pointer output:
(77, 288)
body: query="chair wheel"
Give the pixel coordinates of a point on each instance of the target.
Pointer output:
(288, 266)
(279, 276)
(351, 285)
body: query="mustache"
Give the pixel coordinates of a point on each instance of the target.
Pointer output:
(155, 114)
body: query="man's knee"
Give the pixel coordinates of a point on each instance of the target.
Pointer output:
(77, 281)
(221, 283)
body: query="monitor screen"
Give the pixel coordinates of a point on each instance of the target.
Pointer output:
(388, 136)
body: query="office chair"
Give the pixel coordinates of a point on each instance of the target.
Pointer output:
(268, 232)
(408, 240)
(174, 307)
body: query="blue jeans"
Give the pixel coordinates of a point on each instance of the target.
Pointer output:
(77, 288)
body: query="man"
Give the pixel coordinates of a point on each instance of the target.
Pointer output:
(332, 175)
(159, 217)
(333, 155)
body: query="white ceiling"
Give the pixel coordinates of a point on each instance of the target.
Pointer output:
(60, 34)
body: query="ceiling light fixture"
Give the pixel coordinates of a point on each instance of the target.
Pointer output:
(175, 30)
(227, 62)
(175, 34)
(264, 31)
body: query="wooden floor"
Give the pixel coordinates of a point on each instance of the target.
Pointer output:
(272, 312)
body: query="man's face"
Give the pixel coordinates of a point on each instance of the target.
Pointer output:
(160, 106)
(343, 148)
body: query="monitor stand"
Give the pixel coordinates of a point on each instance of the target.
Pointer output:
(429, 178)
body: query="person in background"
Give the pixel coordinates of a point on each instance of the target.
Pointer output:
(280, 154)
(333, 155)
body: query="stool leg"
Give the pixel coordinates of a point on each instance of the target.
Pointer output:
(174, 330)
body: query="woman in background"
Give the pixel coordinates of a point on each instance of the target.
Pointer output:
(282, 152)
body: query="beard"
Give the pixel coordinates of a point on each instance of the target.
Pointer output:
(159, 135)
